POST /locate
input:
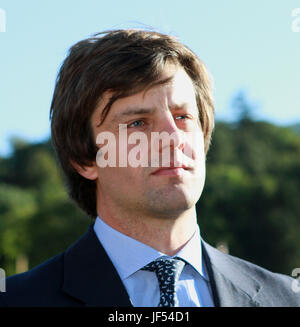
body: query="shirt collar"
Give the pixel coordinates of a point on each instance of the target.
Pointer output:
(129, 255)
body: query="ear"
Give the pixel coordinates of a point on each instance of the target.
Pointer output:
(88, 172)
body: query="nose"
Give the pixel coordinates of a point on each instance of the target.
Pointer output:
(169, 132)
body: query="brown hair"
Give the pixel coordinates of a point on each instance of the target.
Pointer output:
(123, 62)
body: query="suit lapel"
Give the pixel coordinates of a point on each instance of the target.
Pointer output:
(231, 287)
(90, 276)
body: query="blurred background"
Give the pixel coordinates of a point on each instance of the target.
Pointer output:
(251, 202)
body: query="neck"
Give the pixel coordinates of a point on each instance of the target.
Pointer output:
(167, 235)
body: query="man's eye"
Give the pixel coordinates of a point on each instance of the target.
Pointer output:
(182, 117)
(137, 123)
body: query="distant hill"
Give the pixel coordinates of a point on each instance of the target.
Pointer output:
(295, 128)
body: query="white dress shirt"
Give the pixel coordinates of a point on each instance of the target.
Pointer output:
(129, 256)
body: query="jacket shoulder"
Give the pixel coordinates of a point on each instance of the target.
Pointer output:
(277, 289)
(40, 286)
(271, 288)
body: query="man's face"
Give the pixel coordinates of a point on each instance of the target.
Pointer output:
(147, 189)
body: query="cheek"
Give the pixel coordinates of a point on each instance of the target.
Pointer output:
(135, 153)
(120, 179)
(199, 150)
(194, 145)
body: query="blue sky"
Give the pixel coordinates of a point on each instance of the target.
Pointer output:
(246, 45)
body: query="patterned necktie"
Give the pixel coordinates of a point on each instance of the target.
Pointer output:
(167, 272)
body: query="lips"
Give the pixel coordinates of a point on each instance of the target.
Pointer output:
(171, 170)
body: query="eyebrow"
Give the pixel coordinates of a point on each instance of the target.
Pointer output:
(136, 111)
(141, 111)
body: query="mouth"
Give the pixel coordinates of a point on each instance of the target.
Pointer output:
(171, 171)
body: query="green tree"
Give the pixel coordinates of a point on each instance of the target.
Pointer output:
(17, 207)
(38, 220)
(252, 189)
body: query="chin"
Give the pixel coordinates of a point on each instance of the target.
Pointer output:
(171, 205)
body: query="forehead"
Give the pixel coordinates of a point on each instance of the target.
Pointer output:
(178, 91)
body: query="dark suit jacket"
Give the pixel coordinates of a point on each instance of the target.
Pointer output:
(83, 275)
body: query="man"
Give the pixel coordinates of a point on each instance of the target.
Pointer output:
(132, 117)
